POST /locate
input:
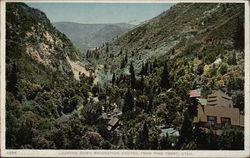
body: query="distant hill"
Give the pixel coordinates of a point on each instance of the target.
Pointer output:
(86, 36)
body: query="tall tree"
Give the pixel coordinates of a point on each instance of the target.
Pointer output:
(128, 102)
(123, 64)
(142, 82)
(12, 84)
(239, 35)
(126, 58)
(142, 68)
(186, 131)
(132, 76)
(165, 78)
(146, 69)
(113, 79)
(121, 51)
(107, 48)
(142, 137)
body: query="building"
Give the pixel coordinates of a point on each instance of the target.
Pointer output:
(113, 123)
(219, 99)
(216, 112)
(195, 93)
(62, 119)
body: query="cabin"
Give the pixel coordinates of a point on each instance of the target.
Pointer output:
(113, 123)
(217, 111)
(195, 93)
(62, 119)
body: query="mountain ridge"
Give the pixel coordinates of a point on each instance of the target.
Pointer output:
(86, 36)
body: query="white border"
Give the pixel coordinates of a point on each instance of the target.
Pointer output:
(127, 153)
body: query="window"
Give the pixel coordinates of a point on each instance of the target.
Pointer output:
(225, 121)
(212, 120)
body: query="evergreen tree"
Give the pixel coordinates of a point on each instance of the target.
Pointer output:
(128, 102)
(87, 54)
(146, 69)
(239, 35)
(132, 76)
(113, 79)
(155, 63)
(142, 137)
(121, 51)
(12, 84)
(186, 131)
(142, 83)
(142, 68)
(165, 78)
(232, 60)
(123, 64)
(165, 143)
(126, 58)
(107, 48)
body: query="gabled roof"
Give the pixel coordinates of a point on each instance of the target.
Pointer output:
(219, 93)
(62, 119)
(113, 121)
(195, 93)
(219, 99)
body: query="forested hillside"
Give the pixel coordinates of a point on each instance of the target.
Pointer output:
(201, 44)
(133, 92)
(40, 83)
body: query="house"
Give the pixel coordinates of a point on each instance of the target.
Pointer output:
(219, 99)
(217, 113)
(195, 93)
(106, 116)
(62, 119)
(170, 132)
(113, 123)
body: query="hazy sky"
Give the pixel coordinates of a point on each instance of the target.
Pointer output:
(101, 12)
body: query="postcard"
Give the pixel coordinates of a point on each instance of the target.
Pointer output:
(125, 78)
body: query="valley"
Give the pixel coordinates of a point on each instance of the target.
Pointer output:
(174, 82)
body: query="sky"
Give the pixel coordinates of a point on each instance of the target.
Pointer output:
(96, 13)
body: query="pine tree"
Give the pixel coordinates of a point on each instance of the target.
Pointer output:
(142, 83)
(132, 76)
(234, 60)
(155, 63)
(142, 138)
(107, 48)
(239, 35)
(186, 130)
(123, 64)
(165, 143)
(12, 84)
(126, 58)
(146, 69)
(128, 102)
(142, 68)
(121, 51)
(113, 79)
(165, 78)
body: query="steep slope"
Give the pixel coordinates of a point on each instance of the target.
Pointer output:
(86, 36)
(41, 64)
(29, 33)
(198, 41)
(205, 31)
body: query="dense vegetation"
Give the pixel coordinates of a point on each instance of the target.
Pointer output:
(147, 85)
